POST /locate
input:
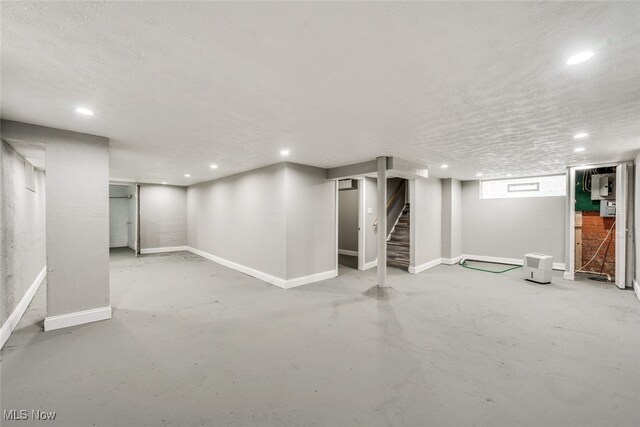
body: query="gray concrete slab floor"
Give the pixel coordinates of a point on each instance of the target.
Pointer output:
(194, 343)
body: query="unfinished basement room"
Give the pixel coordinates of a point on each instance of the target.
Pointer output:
(330, 214)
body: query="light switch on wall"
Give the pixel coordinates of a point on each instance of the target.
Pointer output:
(369, 210)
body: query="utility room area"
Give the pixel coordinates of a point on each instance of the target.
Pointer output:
(595, 223)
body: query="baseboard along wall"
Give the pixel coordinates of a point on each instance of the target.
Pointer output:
(277, 281)
(14, 318)
(347, 252)
(52, 323)
(165, 249)
(484, 258)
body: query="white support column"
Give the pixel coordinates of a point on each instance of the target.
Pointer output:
(382, 222)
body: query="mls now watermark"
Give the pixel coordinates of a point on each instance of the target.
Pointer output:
(24, 415)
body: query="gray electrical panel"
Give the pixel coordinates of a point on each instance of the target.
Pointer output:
(607, 208)
(603, 186)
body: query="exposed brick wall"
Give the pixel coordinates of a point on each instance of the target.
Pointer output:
(594, 231)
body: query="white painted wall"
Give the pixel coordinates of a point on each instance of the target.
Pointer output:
(241, 219)
(22, 230)
(370, 233)
(77, 222)
(310, 201)
(510, 228)
(636, 216)
(348, 220)
(163, 216)
(451, 218)
(277, 223)
(426, 221)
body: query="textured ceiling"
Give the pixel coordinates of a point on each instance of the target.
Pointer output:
(482, 87)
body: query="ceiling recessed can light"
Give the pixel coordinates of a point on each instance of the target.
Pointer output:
(579, 149)
(187, 175)
(164, 182)
(284, 152)
(214, 166)
(84, 111)
(478, 174)
(444, 166)
(580, 135)
(580, 57)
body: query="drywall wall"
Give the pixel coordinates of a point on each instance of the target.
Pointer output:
(22, 230)
(426, 222)
(510, 228)
(163, 216)
(77, 222)
(241, 219)
(451, 219)
(348, 220)
(277, 223)
(121, 216)
(636, 216)
(370, 215)
(310, 201)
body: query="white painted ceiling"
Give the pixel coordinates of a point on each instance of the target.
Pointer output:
(482, 87)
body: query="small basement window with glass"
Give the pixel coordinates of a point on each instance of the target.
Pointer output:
(537, 186)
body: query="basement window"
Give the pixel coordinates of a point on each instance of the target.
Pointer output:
(536, 186)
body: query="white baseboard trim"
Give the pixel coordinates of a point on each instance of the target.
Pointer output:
(77, 318)
(14, 318)
(165, 249)
(118, 245)
(281, 283)
(456, 260)
(305, 280)
(636, 288)
(133, 247)
(347, 252)
(277, 281)
(372, 264)
(451, 261)
(425, 266)
(500, 260)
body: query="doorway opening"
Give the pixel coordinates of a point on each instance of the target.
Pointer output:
(357, 223)
(349, 222)
(123, 220)
(398, 224)
(599, 220)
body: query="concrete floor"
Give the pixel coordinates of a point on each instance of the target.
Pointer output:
(194, 343)
(348, 261)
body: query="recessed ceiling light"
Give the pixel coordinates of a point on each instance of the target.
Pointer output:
(444, 166)
(580, 57)
(164, 182)
(579, 149)
(509, 175)
(84, 111)
(187, 175)
(284, 152)
(214, 166)
(478, 174)
(580, 135)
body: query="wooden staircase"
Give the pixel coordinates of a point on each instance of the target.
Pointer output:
(399, 242)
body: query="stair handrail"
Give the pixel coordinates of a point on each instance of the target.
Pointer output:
(392, 199)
